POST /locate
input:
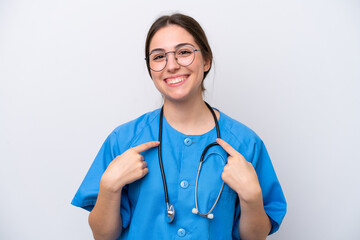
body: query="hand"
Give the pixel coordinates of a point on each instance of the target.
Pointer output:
(126, 168)
(240, 175)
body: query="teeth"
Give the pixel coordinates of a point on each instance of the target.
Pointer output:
(175, 80)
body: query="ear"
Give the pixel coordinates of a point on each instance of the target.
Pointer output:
(207, 65)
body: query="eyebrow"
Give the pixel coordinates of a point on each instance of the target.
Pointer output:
(176, 47)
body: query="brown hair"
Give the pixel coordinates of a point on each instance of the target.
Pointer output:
(190, 25)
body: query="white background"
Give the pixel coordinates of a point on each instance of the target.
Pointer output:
(71, 71)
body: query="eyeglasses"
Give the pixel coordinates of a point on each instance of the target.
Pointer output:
(184, 56)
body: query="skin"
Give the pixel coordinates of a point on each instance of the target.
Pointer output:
(185, 110)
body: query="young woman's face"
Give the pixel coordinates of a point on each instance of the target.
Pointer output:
(176, 82)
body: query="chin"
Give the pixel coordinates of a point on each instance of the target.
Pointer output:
(179, 97)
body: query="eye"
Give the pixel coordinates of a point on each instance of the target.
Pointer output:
(184, 52)
(158, 57)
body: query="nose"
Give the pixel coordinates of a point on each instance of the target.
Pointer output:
(172, 63)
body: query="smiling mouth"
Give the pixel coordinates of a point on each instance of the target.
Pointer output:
(176, 80)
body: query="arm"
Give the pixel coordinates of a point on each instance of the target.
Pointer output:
(105, 218)
(240, 175)
(254, 222)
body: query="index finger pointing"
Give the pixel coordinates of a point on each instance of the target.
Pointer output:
(145, 146)
(227, 147)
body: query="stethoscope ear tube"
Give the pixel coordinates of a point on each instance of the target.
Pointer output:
(195, 210)
(215, 120)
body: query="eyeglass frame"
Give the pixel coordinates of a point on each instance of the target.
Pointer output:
(166, 58)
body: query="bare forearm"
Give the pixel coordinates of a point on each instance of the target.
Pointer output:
(254, 223)
(105, 219)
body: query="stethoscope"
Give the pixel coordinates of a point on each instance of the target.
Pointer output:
(169, 207)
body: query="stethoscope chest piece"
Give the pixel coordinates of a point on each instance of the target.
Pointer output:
(170, 212)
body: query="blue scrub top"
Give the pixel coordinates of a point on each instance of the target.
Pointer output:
(143, 208)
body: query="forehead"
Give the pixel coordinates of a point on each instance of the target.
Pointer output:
(170, 36)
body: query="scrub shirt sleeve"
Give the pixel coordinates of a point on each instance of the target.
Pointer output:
(273, 196)
(87, 193)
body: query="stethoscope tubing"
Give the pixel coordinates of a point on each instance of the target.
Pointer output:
(160, 158)
(169, 207)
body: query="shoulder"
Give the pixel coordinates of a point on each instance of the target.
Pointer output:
(129, 132)
(236, 129)
(240, 137)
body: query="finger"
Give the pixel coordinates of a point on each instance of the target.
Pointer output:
(141, 173)
(227, 147)
(145, 171)
(145, 146)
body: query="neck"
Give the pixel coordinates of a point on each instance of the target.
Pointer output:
(189, 117)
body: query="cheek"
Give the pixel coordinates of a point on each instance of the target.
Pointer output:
(155, 76)
(156, 80)
(201, 66)
(200, 71)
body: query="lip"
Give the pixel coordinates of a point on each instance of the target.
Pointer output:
(184, 77)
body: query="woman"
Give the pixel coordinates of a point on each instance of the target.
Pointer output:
(157, 156)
